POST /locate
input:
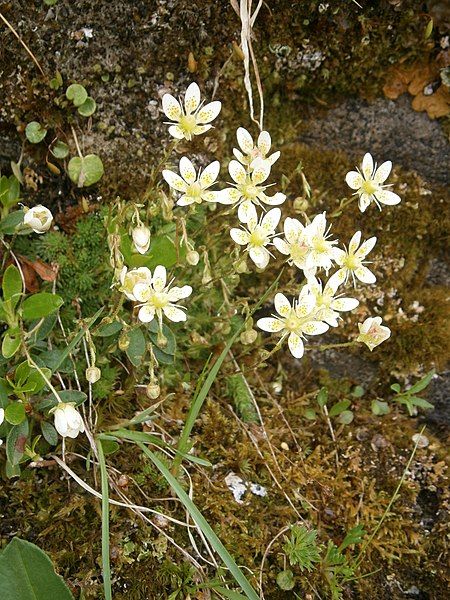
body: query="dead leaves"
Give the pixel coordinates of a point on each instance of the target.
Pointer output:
(422, 81)
(31, 269)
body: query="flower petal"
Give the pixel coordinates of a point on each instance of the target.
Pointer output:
(192, 98)
(274, 157)
(202, 129)
(366, 247)
(252, 217)
(270, 324)
(212, 196)
(185, 200)
(292, 230)
(146, 313)
(174, 180)
(364, 201)
(296, 346)
(142, 292)
(315, 327)
(228, 196)
(260, 256)
(264, 142)
(239, 236)
(245, 211)
(159, 278)
(344, 304)
(281, 245)
(271, 220)
(176, 132)
(238, 154)
(367, 166)
(174, 314)
(177, 293)
(364, 275)
(261, 171)
(237, 172)
(382, 173)
(171, 107)
(334, 282)
(187, 170)
(387, 197)
(354, 242)
(354, 180)
(274, 200)
(282, 304)
(245, 140)
(209, 112)
(209, 174)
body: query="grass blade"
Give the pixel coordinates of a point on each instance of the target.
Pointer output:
(105, 523)
(201, 522)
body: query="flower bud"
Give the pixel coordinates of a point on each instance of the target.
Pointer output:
(141, 238)
(153, 391)
(192, 257)
(248, 337)
(68, 421)
(124, 341)
(161, 340)
(301, 204)
(38, 219)
(93, 374)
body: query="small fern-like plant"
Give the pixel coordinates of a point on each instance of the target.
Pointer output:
(302, 548)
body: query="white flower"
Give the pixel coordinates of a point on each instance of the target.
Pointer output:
(322, 251)
(294, 321)
(328, 305)
(194, 187)
(258, 235)
(141, 238)
(368, 183)
(248, 189)
(295, 245)
(68, 421)
(192, 119)
(252, 151)
(2, 415)
(372, 332)
(352, 261)
(38, 218)
(157, 298)
(129, 279)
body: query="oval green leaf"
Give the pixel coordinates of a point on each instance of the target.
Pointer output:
(34, 132)
(86, 170)
(40, 305)
(88, 107)
(77, 94)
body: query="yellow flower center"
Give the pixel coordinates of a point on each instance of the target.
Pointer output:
(159, 299)
(369, 187)
(351, 262)
(194, 191)
(298, 251)
(249, 191)
(320, 244)
(292, 322)
(257, 237)
(188, 123)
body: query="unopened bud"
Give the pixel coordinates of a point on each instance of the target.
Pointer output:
(301, 204)
(248, 337)
(93, 374)
(141, 238)
(153, 391)
(192, 257)
(124, 341)
(161, 340)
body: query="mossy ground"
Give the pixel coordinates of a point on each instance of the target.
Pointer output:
(302, 478)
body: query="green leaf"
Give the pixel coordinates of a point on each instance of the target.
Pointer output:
(339, 407)
(379, 408)
(88, 107)
(322, 397)
(396, 387)
(9, 190)
(15, 413)
(171, 346)
(108, 329)
(77, 94)
(286, 580)
(86, 170)
(10, 344)
(11, 221)
(49, 432)
(310, 414)
(346, 417)
(34, 132)
(428, 29)
(421, 402)
(358, 391)
(57, 81)
(110, 446)
(16, 441)
(137, 347)
(40, 305)
(26, 573)
(60, 149)
(12, 284)
(65, 395)
(230, 594)
(354, 536)
(422, 384)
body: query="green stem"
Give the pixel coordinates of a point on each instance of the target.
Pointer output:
(391, 502)
(340, 345)
(105, 523)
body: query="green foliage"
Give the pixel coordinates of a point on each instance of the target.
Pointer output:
(77, 94)
(286, 580)
(239, 391)
(9, 192)
(26, 573)
(302, 548)
(85, 170)
(34, 132)
(409, 398)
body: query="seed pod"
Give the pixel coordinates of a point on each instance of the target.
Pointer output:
(192, 63)
(192, 257)
(153, 391)
(93, 374)
(248, 337)
(124, 341)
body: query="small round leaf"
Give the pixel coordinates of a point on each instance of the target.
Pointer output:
(86, 170)
(88, 107)
(77, 94)
(60, 149)
(34, 132)
(15, 413)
